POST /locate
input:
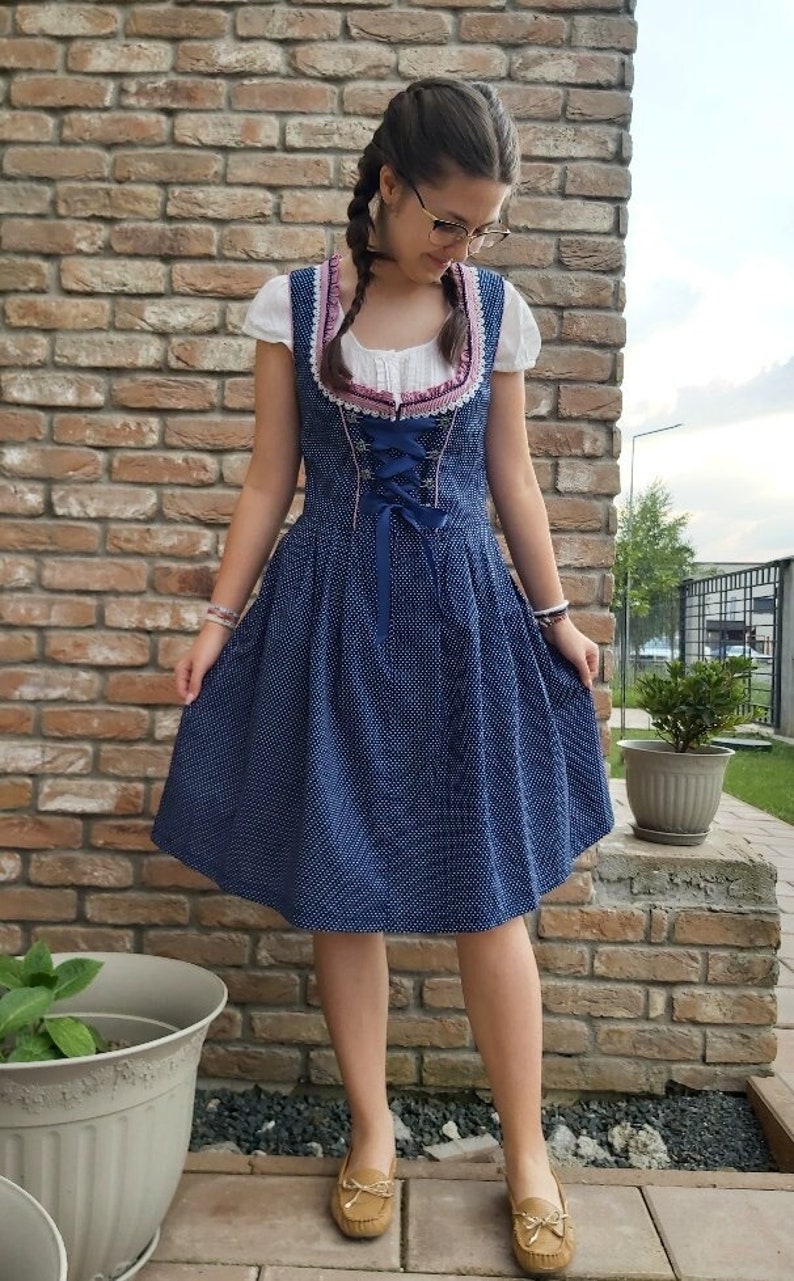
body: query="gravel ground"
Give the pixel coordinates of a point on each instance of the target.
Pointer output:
(701, 1129)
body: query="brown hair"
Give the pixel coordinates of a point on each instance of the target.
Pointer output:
(428, 129)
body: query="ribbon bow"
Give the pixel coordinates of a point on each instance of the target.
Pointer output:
(385, 438)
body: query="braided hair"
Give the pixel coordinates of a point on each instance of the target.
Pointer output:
(430, 129)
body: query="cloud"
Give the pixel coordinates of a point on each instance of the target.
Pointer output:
(720, 402)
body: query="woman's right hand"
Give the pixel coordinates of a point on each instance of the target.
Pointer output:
(191, 669)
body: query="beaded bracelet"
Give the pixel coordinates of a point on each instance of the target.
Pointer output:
(223, 615)
(548, 620)
(551, 611)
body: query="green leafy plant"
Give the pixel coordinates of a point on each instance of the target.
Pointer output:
(690, 705)
(29, 1033)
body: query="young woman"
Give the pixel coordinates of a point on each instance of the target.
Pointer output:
(395, 737)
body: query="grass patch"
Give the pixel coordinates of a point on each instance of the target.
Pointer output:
(763, 779)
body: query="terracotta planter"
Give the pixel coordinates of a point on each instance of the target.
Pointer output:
(31, 1247)
(673, 795)
(101, 1141)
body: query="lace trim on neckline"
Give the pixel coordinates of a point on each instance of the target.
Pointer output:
(455, 391)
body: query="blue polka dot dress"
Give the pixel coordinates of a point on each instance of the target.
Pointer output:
(387, 742)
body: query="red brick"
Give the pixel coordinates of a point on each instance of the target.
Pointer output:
(278, 22)
(164, 392)
(254, 57)
(315, 206)
(650, 964)
(731, 929)
(56, 162)
(58, 313)
(23, 273)
(97, 723)
(102, 501)
(172, 22)
(114, 57)
(61, 91)
(590, 402)
(442, 994)
(57, 19)
(26, 903)
(320, 132)
(274, 1064)
(463, 1070)
(592, 253)
(31, 609)
(98, 649)
(650, 1042)
(741, 1046)
(122, 834)
(44, 237)
(137, 909)
(221, 203)
(176, 93)
(723, 1006)
(739, 968)
(15, 793)
(204, 129)
(39, 55)
(281, 95)
(626, 924)
(280, 170)
(513, 28)
(267, 988)
(215, 507)
(162, 241)
(565, 288)
(561, 958)
(613, 105)
(166, 873)
(600, 328)
(11, 939)
(604, 33)
(271, 243)
(49, 683)
(118, 275)
(200, 949)
(230, 912)
(168, 165)
(25, 126)
(84, 938)
(153, 615)
(469, 62)
(567, 66)
(343, 60)
(80, 869)
(159, 540)
(227, 280)
(24, 198)
(23, 349)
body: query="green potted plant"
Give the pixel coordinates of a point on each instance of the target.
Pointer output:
(674, 782)
(99, 1057)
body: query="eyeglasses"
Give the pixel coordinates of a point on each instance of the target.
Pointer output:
(454, 233)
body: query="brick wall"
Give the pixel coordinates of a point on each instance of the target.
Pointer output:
(159, 163)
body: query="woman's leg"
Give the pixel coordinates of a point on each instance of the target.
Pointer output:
(353, 982)
(501, 989)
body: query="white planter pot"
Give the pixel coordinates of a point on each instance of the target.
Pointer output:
(101, 1141)
(673, 795)
(31, 1247)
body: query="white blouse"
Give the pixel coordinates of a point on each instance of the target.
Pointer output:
(269, 318)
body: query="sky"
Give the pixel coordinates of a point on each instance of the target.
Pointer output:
(710, 272)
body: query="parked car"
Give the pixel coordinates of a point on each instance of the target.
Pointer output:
(741, 651)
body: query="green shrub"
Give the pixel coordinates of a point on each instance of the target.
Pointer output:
(690, 705)
(28, 1032)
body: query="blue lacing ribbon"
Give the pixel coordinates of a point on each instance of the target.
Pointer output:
(386, 436)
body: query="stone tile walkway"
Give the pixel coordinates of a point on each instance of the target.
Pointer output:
(266, 1218)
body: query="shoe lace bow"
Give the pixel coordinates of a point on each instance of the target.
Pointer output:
(381, 1188)
(534, 1222)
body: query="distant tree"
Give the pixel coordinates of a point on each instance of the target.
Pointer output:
(653, 552)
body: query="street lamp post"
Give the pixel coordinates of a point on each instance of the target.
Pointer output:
(624, 641)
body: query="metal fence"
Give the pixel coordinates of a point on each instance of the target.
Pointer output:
(740, 612)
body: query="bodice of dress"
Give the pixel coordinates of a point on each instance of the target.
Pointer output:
(373, 464)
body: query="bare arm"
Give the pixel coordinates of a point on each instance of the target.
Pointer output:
(522, 515)
(270, 481)
(260, 510)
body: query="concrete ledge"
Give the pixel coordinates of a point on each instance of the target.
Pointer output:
(464, 1171)
(725, 871)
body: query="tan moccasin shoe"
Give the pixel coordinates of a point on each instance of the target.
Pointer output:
(362, 1203)
(543, 1236)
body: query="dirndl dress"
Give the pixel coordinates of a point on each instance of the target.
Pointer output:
(387, 741)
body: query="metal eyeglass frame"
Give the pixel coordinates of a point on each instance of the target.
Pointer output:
(493, 235)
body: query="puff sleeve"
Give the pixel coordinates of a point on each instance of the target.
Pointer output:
(519, 338)
(269, 316)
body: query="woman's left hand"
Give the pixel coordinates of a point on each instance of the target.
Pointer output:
(576, 647)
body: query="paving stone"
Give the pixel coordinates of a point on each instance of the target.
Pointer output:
(785, 1006)
(726, 1234)
(198, 1272)
(284, 1219)
(784, 1062)
(345, 1274)
(465, 1228)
